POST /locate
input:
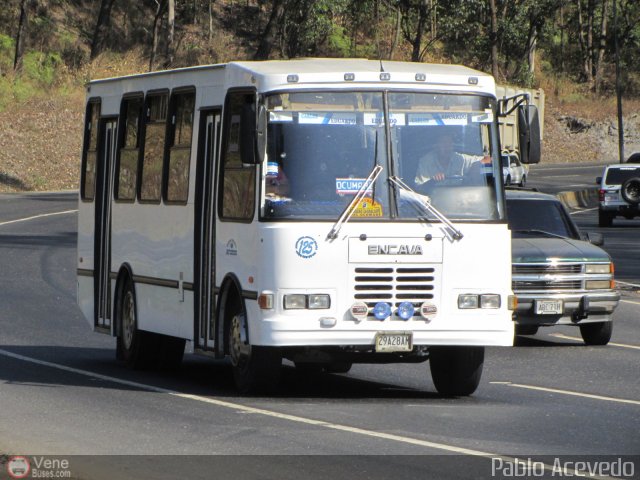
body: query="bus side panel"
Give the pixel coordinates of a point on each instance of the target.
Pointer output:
(156, 242)
(85, 260)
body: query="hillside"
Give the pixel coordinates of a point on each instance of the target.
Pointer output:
(40, 140)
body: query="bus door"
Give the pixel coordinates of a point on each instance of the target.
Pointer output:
(102, 239)
(204, 268)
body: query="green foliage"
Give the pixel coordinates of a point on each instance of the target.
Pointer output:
(7, 51)
(40, 68)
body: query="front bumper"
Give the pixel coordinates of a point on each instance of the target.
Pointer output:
(578, 307)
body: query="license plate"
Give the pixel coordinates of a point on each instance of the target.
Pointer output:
(549, 307)
(394, 342)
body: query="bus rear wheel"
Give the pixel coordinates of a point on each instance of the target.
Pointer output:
(456, 371)
(134, 347)
(256, 369)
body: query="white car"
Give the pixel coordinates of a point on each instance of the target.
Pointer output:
(619, 193)
(513, 171)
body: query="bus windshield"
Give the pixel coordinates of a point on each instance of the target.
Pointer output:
(321, 147)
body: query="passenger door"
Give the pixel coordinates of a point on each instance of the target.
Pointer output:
(204, 268)
(102, 244)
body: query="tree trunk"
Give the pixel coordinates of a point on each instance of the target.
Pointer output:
(584, 45)
(102, 28)
(602, 43)
(210, 20)
(494, 39)
(396, 38)
(156, 31)
(268, 36)
(171, 24)
(21, 34)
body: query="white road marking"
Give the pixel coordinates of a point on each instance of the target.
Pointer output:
(627, 283)
(567, 337)
(582, 211)
(240, 408)
(630, 301)
(42, 215)
(569, 392)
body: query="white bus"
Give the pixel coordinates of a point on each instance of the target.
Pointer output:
(280, 210)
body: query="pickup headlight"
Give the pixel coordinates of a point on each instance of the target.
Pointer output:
(599, 268)
(598, 284)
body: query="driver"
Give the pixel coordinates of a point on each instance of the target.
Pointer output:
(443, 162)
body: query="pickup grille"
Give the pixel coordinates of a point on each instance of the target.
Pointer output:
(393, 285)
(531, 285)
(546, 269)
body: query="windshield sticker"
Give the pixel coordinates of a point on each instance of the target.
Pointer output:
(486, 117)
(350, 186)
(327, 118)
(281, 116)
(438, 119)
(368, 208)
(377, 119)
(306, 247)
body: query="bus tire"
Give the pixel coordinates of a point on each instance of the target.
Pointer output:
(256, 369)
(136, 348)
(456, 371)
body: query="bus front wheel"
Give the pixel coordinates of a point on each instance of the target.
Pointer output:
(456, 371)
(256, 369)
(134, 347)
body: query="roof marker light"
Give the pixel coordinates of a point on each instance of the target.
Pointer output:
(293, 78)
(349, 77)
(385, 76)
(421, 77)
(473, 80)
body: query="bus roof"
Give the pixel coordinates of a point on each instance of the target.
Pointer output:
(276, 74)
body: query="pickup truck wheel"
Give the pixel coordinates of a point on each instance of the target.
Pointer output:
(604, 219)
(596, 333)
(630, 190)
(456, 371)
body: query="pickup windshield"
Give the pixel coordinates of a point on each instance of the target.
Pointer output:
(321, 146)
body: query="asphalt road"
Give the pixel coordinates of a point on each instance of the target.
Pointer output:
(62, 395)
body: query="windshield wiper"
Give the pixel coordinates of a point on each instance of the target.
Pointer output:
(534, 231)
(424, 204)
(348, 212)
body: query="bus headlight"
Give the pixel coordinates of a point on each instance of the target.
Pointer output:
(466, 301)
(490, 301)
(295, 301)
(319, 301)
(486, 300)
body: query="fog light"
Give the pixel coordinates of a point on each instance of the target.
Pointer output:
(382, 310)
(318, 301)
(295, 301)
(597, 284)
(405, 310)
(489, 301)
(467, 301)
(359, 311)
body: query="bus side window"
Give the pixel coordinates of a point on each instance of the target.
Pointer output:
(129, 149)
(154, 141)
(181, 129)
(90, 150)
(238, 180)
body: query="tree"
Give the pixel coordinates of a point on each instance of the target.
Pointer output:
(267, 39)
(101, 29)
(23, 23)
(160, 7)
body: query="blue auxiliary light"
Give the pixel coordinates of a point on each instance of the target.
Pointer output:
(382, 310)
(405, 310)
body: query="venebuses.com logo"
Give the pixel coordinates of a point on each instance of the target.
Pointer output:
(18, 467)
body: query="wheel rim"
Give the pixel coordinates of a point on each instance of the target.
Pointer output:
(237, 349)
(128, 320)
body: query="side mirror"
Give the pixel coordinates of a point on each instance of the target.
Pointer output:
(594, 238)
(598, 180)
(529, 132)
(248, 134)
